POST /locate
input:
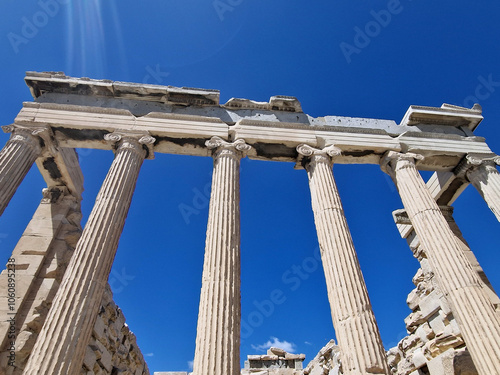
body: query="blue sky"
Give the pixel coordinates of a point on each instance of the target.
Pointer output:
(361, 59)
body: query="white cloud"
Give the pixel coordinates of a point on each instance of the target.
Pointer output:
(307, 343)
(277, 343)
(149, 354)
(190, 365)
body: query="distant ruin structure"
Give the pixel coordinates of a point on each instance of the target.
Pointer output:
(276, 361)
(58, 314)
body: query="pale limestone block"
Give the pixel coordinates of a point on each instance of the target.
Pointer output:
(424, 332)
(46, 291)
(442, 364)
(409, 342)
(419, 276)
(99, 327)
(455, 327)
(413, 320)
(437, 324)
(33, 245)
(418, 358)
(90, 358)
(445, 306)
(430, 304)
(276, 351)
(442, 343)
(106, 360)
(47, 223)
(413, 299)
(426, 267)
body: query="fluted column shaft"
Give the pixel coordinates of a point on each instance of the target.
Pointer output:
(60, 347)
(471, 307)
(485, 178)
(357, 333)
(16, 159)
(218, 334)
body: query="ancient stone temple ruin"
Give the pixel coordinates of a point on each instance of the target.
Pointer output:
(276, 361)
(61, 312)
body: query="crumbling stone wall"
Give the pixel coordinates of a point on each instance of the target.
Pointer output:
(113, 348)
(40, 259)
(434, 344)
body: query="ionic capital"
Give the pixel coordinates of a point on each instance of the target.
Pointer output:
(310, 155)
(471, 162)
(39, 138)
(403, 160)
(141, 143)
(219, 147)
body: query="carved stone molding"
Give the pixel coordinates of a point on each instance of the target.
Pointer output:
(401, 216)
(390, 158)
(135, 141)
(311, 155)
(472, 161)
(32, 136)
(220, 147)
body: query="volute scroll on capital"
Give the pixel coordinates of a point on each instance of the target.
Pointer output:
(391, 158)
(136, 141)
(39, 136)
(310, 155)
(472, 161)
(219, 146)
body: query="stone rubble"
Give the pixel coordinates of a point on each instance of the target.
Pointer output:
(326, 362)
(434, 342)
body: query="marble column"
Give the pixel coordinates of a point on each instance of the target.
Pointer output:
(60, 346)
(471, 307)
(16, 159)
(361, 349)
(218, 333)
(481, 171)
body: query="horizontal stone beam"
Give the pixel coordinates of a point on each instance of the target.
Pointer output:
(62, 169)
(85, 127)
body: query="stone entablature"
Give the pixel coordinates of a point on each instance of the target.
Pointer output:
(136, 121)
